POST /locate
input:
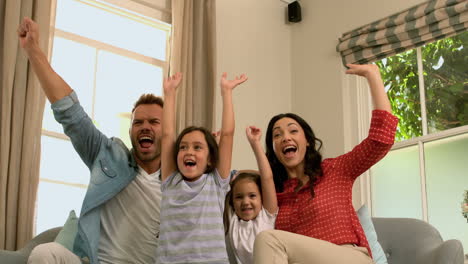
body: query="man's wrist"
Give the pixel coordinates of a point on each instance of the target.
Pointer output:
(33, 51)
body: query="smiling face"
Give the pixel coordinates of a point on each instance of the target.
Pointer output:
(289, 142)
(145, 132)
(193, 155)
(247, 199)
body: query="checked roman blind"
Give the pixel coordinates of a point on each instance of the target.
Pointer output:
(409, 29)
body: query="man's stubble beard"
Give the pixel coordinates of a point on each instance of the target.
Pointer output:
(147, 157)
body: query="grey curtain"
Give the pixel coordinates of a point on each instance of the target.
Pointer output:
(414, 27)
(193, 52)
(22, 105)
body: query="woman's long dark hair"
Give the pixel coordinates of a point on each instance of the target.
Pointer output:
(312, 158)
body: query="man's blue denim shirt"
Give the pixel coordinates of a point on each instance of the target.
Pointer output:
(111, 164)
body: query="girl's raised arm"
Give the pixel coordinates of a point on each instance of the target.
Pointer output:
(270, 203)
(227, 127)
(168, 165)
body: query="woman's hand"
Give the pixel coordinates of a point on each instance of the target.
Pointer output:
(372, 73)
(365, 70)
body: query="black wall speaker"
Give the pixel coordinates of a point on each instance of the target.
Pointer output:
(294, 12)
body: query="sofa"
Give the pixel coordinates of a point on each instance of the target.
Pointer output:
(404, 241)
(412, 241)
(21, 256)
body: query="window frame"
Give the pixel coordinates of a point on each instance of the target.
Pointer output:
(101, 46)
(358, 107)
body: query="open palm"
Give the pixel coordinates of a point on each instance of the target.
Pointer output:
(171, 83)
(231, 84)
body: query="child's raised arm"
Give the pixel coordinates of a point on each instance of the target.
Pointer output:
(227, 126)
(168, 165)
(270, 203)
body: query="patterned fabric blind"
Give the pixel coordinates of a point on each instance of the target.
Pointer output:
(414, 27)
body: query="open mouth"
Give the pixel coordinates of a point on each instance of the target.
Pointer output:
(145, 142)
(190, 163)
(246, 209)
(289, 150)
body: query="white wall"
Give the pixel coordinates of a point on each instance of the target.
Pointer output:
(317, 71)
(293, 67)
(318, 78)
(252, 38)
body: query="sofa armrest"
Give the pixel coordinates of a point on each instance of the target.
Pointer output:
(21, 256)
(414, 241)
(449, 252)
(12, 257)
(44, 237)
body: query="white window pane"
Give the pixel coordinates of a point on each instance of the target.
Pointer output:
(120, 82)
(447, 179)
(54, 202)
(74, 62)
(98, 24)
(396, 190)
(60, 162)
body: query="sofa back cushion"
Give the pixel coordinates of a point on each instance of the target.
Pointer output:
(67, 235)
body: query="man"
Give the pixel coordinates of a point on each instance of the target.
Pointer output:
(119, 220)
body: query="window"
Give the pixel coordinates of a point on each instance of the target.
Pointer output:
(426, 172)
(110, 56)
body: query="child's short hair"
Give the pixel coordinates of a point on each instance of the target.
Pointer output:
(213, 154)
(229, 202)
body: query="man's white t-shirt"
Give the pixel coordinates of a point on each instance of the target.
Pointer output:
(130, 222)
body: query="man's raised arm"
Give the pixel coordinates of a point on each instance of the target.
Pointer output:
(53, 85)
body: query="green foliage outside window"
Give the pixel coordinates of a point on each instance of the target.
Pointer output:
(445, 69)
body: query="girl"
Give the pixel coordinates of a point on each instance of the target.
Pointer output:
(251, 204)
(194, 183)
(315, 196)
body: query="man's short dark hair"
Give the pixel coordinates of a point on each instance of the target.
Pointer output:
(148, 99)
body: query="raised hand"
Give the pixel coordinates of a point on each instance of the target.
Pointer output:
(269, 200)
(231, 84)
(52, 84)
(372, 74)
(28, 34)
(216, 135)
(227, 124)
(253, 134)
(168, 165)
(365, 70)
(171, 83)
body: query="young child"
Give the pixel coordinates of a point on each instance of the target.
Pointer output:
(195, 179)
(251, 204)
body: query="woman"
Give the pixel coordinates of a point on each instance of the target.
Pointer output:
(316, 221)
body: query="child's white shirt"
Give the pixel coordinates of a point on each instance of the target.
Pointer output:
(241, 235)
